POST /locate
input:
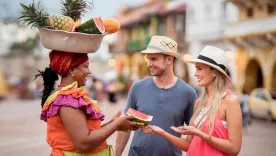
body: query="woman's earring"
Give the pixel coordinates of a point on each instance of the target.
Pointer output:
(72, 74)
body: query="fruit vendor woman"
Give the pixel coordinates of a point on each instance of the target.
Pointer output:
(73, 120)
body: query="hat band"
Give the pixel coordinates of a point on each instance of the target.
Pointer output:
(201, 57)
(156, 48)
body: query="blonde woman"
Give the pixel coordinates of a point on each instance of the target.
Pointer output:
(215, 128)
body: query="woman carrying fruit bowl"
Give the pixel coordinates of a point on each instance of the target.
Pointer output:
(74, 122)
(215, 128)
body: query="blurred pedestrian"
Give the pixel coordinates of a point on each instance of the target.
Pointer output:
(111, 92)
(244, 108)
(216, 126)
(91, 86)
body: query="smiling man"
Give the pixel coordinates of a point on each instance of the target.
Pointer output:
(164, 96)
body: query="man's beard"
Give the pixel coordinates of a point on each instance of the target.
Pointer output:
(159, 73)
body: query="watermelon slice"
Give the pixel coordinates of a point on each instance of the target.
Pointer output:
(139, 116)
(92, 26)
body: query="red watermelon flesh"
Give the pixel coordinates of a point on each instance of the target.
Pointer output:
(139, 116)
(99, 23)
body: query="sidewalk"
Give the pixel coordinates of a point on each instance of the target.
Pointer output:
(22, 133)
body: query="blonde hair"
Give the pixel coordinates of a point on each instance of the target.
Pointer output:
(221, 85)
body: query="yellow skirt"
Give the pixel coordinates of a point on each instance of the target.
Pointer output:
(108, 151)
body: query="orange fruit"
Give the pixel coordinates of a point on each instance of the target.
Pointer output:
(111, 25)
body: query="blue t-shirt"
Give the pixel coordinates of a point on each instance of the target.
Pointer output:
(169, 107)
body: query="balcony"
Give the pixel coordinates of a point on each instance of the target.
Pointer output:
(250, 27)
(134, 46)
(147, 40)
(138, 45)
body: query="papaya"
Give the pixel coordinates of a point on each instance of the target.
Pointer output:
(111, 25)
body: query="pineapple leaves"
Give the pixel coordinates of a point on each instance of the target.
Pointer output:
(74, 8)
(34, 15)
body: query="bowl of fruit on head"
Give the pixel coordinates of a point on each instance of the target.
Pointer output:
(66, 32)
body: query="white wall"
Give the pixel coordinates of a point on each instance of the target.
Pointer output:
(205, 24)
(204, 19)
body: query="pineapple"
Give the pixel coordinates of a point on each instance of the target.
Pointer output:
(36, 16)
(61, 22)
(74, 8)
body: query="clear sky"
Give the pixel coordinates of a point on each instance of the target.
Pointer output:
(103, 8)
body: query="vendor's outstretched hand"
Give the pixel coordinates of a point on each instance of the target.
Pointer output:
(124, 124)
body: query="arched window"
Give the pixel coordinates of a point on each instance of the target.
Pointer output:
(250, 12)
(270, 8)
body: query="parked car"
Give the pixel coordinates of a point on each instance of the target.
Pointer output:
(262, 103)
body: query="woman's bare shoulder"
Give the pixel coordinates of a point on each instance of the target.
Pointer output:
(231, 100)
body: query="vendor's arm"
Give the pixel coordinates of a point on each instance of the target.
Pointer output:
(75, 123)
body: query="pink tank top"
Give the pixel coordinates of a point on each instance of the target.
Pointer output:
(199, 147)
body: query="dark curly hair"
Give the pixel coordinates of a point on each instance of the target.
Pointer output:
(49, 78)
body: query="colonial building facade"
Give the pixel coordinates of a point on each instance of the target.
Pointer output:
(245, 29)
(254, 36)
(138, 25)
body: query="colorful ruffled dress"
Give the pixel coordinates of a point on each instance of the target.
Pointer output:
(57, 136)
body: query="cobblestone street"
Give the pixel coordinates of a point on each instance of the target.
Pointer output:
(22, 133)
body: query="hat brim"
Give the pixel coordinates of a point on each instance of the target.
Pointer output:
(154, 51)
(70, 41)
(212, 65)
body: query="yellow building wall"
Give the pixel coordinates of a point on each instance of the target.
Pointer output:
(272, 69)
(266, 58)
(260, 11)
(243, 12)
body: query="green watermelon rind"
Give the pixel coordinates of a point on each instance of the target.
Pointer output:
(89, 27)
(137, 119)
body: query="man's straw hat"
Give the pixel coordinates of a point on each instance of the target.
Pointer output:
(162, 45)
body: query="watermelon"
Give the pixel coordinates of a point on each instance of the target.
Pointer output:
(139, 116)
(92, 26)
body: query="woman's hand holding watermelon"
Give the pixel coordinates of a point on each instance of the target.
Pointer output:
(124, 124)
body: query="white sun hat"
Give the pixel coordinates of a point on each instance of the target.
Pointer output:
(162, 45)
(213, 57)
(70, 41)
